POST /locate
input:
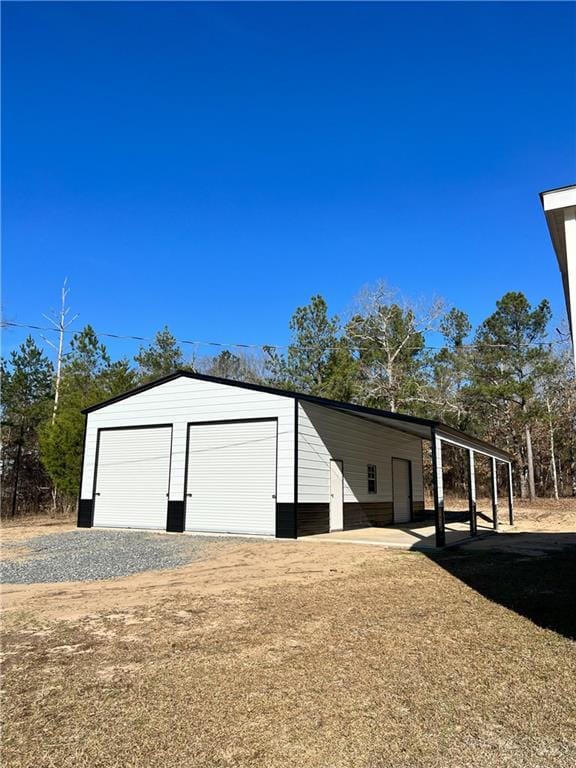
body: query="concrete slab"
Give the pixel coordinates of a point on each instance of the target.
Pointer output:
(417, 536)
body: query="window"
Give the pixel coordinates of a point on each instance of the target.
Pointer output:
(372, 481)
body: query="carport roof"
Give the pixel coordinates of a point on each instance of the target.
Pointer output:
(423, 428)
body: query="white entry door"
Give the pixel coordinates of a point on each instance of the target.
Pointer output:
(401, 490)
(336, 495)
(231, 480)
(132, 477)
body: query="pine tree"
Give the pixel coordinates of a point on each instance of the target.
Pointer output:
(449, 369)
(509, 362)
(26, 399)
(161, 358)
(306, 366)
(88, 377)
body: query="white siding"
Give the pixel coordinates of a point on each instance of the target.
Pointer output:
(324, 433)
(231, 484)
(184, 400)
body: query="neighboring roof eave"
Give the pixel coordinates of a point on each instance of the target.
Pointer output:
(550, 192)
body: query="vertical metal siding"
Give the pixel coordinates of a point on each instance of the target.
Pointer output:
(231, 478)
(132, 478)
(326, 434)
(181, 401)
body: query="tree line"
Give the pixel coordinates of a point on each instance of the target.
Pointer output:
(503, 381)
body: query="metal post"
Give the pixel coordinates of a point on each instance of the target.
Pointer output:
(494, 484)
(510, 494)
(438, 481)
(472, 493)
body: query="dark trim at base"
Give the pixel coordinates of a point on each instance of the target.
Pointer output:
(286, 521)
(85, 513)
(313, 518)
(368, 514)
(175, 517)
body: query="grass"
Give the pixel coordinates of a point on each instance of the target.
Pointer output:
(401, 660)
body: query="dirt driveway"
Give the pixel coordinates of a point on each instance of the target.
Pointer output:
(291, 653)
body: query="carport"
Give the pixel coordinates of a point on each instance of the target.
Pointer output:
(417, 534)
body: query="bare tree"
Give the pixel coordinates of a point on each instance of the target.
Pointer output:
(389, 334)
(61, 323)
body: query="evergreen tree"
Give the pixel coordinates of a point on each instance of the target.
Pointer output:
(509, 362)
(88, 377)
(161, 358)
(449, 369)
(307, 365)
(25, 400)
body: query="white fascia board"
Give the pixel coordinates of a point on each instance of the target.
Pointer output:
(559, 198)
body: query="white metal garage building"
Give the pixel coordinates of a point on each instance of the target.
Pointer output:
(196, 453)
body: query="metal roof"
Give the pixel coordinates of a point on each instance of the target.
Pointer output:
(414, 425)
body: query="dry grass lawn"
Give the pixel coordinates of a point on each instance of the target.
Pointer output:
(299, 654)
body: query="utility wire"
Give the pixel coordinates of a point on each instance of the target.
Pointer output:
(29, 326)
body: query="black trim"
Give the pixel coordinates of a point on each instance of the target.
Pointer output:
(267, 390)
(224, 421)
(478, 444)
(229, 421)
(337, 404)
(135, 426)
(285, 521)
(83, 523)
(125, 428)
(410, 490)
(176, 517)
(85, 513)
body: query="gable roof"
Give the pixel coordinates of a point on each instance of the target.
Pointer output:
(423, 428)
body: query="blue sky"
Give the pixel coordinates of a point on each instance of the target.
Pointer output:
(211, 166)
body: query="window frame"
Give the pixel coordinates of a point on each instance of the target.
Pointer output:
(372, 478)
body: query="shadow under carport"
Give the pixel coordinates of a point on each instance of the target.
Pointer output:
(531, 573)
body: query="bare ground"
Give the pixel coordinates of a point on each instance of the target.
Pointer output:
(299, 654)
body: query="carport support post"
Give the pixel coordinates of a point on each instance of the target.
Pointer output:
(472, 493)
(438, 481)
(510, 494)
(494, 484)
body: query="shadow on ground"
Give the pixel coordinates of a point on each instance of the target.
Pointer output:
(533, 574)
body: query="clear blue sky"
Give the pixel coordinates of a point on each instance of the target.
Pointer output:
(211, 166)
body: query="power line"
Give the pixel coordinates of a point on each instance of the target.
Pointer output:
(225, 345)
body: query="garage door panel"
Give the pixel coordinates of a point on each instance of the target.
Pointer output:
(232, 477)
(132, 478)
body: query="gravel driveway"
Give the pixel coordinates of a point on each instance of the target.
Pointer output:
(98, 554)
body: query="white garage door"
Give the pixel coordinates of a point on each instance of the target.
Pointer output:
(132, 476)
(231, 483)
